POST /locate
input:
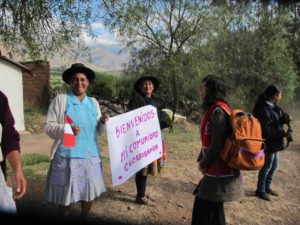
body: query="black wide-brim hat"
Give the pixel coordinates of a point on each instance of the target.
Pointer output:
(154, 81)
(78, 68)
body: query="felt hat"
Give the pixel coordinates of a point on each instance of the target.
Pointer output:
(78, 68)
(154, 81)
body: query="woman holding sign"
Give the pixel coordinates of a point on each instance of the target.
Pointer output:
(73, 121)
(144, 88)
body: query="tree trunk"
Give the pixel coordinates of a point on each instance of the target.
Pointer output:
(175, 96)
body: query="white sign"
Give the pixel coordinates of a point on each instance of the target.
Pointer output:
(134, 141)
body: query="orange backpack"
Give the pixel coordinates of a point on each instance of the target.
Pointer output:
(244, 148)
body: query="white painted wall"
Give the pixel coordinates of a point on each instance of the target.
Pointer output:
(11, 84)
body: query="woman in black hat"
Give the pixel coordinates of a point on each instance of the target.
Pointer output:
(75, 173)
(144, 88)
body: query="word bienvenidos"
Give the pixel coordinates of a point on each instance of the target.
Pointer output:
(134, 122)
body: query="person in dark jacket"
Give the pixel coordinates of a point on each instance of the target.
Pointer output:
(271, 118)
(220, 183)
(143, 91)
(10, 149)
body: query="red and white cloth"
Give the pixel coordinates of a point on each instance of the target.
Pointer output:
(69, 137)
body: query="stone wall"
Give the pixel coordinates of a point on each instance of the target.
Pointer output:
(36, 85)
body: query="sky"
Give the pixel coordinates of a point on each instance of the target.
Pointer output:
(104, 36)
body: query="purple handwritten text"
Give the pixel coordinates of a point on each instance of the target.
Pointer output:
(139, 157)
(134, 122)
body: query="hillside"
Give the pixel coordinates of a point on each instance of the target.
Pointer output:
(103, 58)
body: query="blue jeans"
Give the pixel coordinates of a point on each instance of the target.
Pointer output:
(266, 173)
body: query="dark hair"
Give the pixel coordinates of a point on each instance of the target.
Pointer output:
(141, 80)
(216, 90)
(268, 94)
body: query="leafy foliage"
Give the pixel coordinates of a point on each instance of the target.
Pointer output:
(108, 86)
(160, 33)
(243, 41)
(44, 27)
(250, 43)
(254, 58)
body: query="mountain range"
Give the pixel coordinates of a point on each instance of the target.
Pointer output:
(102, 58)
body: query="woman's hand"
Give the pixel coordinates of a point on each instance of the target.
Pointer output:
(19, 179)
(75, 129)
(104, 118)
(21, 184)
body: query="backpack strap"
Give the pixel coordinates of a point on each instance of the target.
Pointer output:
(224, 106)
(207, 114)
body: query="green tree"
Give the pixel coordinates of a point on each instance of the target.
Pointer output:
(252, 53)
(112, 91)
(40, 28)
(159, 32)
(104, 87)
(292, 9)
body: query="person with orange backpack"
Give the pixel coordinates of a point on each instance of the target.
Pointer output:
(271, 118)
(220, 183)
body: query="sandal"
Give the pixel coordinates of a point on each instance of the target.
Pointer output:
(142, 200)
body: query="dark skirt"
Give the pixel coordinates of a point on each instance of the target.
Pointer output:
(221, 189)
(208, 213)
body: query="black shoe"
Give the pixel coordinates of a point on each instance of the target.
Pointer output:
(271, 192)
(262, 195)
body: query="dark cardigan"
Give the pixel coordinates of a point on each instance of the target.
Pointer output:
(10, 137)
(272, 120)
(137, 100)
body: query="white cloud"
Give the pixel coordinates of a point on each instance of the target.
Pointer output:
(103, 36)
(104, 39)
(97, 26)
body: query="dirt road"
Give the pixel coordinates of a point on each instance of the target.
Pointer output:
(172, 192)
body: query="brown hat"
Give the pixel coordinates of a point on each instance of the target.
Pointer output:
(78, 68)
(154, 81)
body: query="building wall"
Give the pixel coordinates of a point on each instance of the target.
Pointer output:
(36, 88)
(11, 85)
